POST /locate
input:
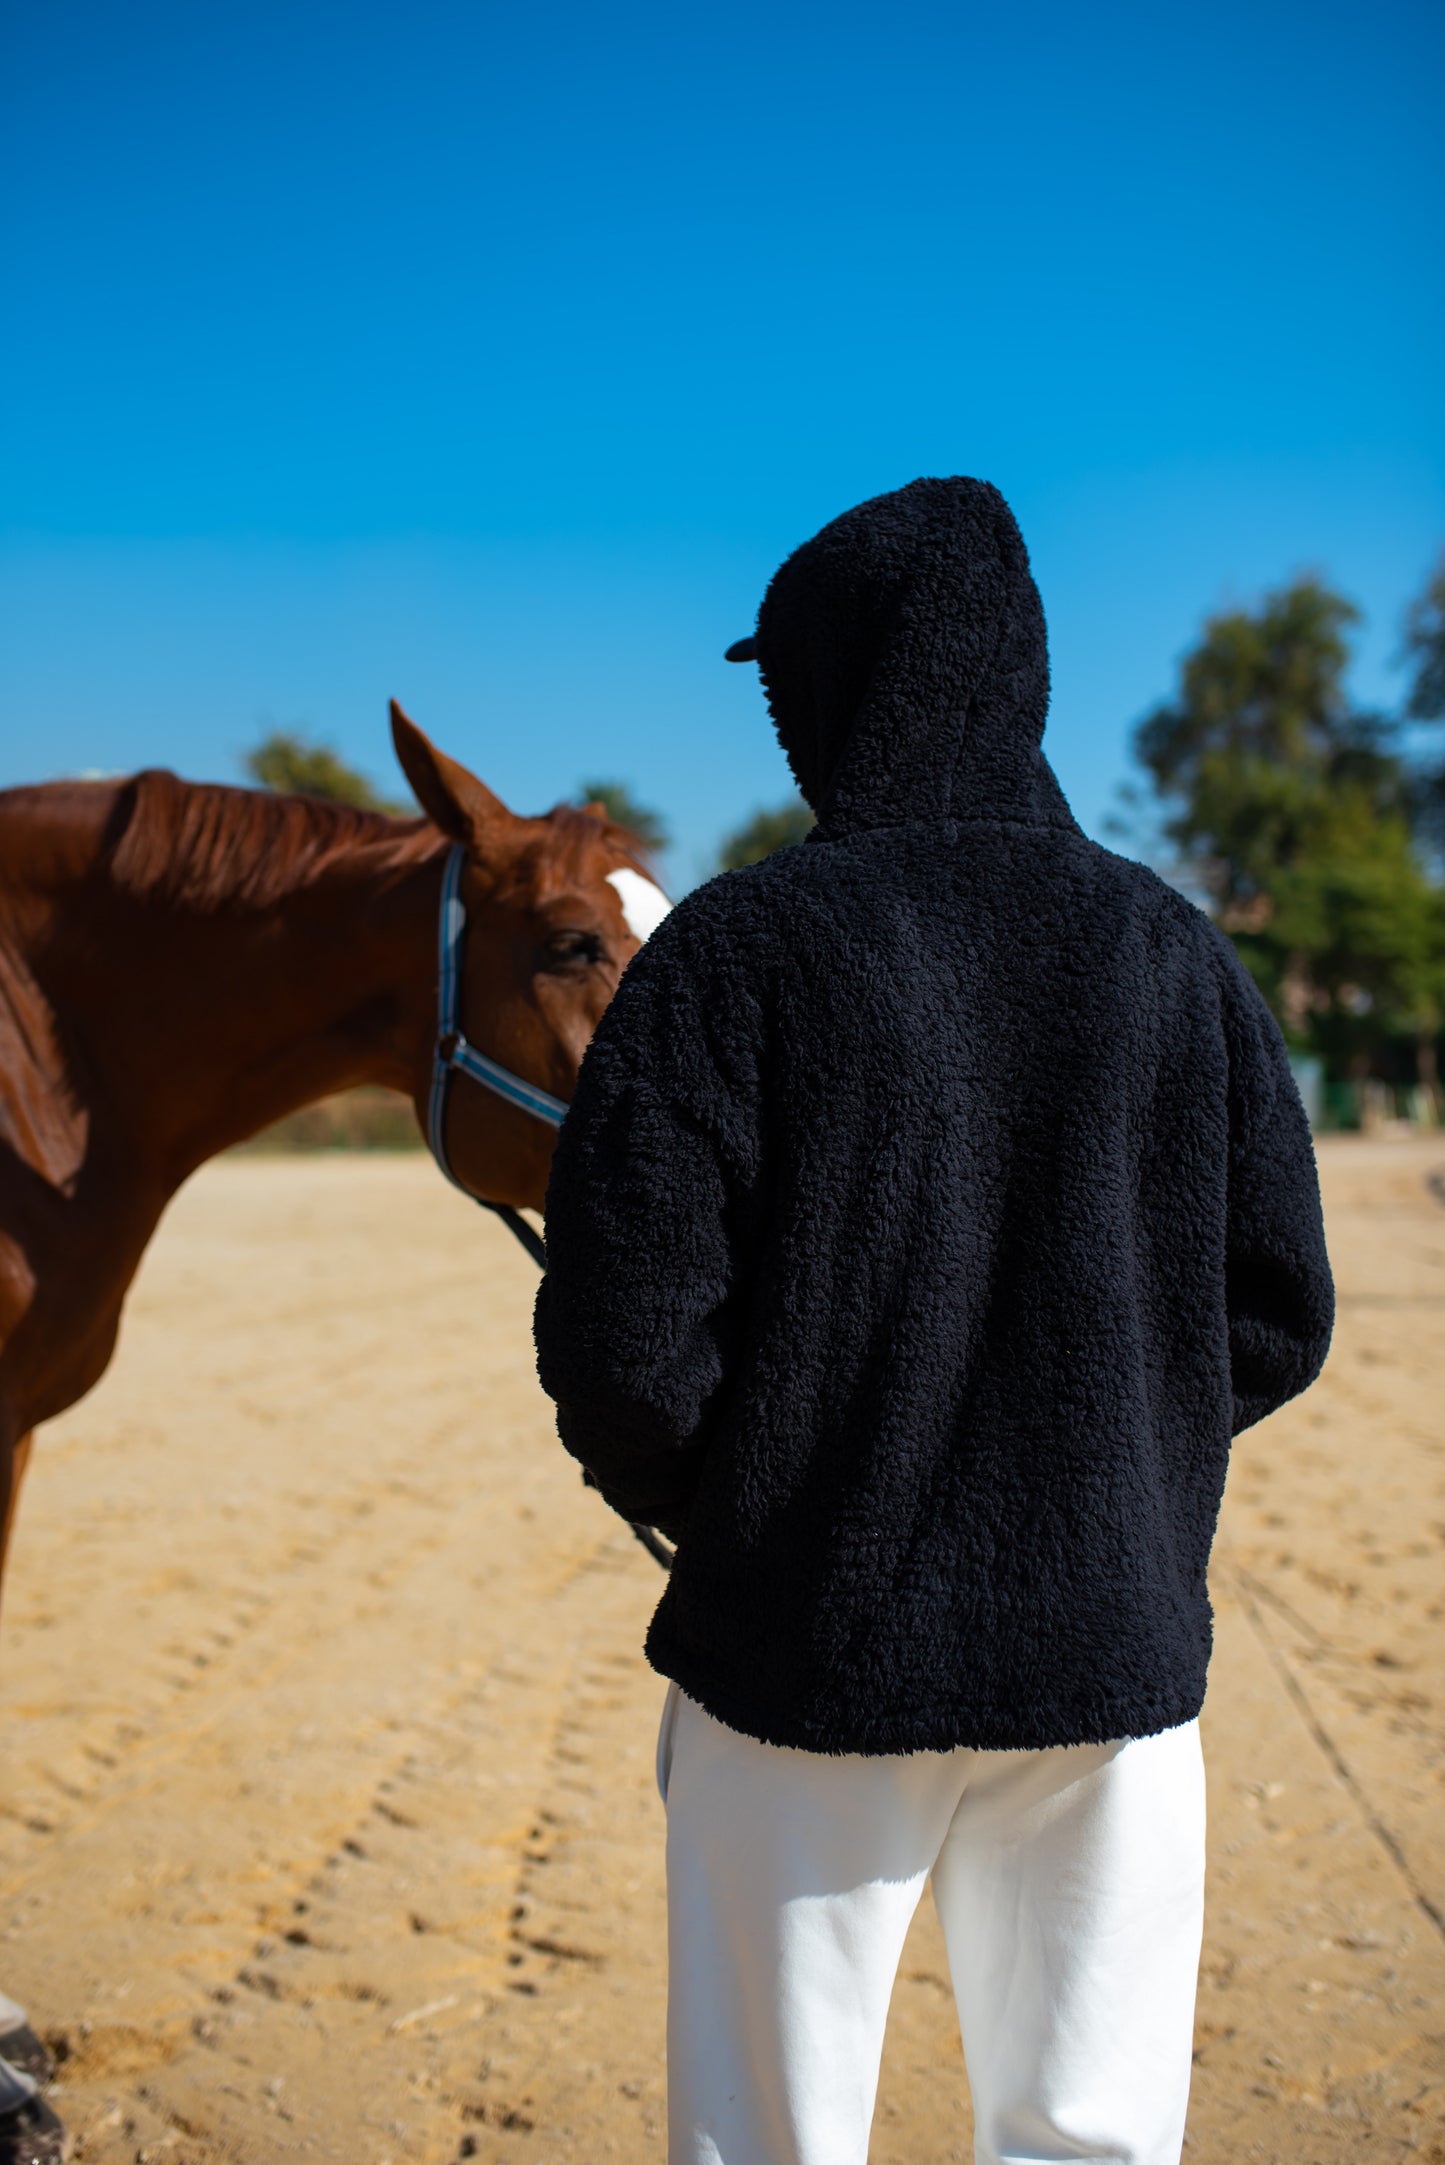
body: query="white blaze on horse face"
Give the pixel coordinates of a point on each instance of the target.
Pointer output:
(644, 905)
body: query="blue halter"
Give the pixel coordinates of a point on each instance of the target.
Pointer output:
(455, 1055)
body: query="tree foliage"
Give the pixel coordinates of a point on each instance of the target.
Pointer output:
(286, 761)
(1292, 811)
(1354, 951)
(646, 827)
(1425, 651)
(1260, 755)
(780, 827)
(1424, 657)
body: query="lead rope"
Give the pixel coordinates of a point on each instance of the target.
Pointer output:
(454, 1053)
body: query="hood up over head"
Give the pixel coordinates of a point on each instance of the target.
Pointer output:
(905, 662)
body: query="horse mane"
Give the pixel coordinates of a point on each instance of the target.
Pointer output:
(204, 845)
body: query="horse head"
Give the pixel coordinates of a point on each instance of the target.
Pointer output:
(556, 907)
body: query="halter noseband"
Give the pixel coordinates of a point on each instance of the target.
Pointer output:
(453, 1055)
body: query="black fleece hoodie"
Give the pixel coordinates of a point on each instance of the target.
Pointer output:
(935, 1204)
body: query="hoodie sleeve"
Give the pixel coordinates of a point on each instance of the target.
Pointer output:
(649, 1182)
(1278, 1290)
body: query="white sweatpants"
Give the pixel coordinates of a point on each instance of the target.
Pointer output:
(1069, 1885)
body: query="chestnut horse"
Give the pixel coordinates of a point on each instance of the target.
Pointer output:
(182, 963)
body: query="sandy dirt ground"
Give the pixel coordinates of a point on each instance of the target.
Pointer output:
(327, 1818)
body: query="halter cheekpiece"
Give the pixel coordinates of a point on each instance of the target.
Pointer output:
(454, 1054)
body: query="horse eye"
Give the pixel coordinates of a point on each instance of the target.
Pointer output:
(574, 947)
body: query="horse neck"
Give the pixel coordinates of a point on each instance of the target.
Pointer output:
(204, 1020)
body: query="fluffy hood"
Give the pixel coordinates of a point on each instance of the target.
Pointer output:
(905, 661)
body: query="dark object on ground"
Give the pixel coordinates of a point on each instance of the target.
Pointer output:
(23, 2049)
(934, 1205)
(32, 2135)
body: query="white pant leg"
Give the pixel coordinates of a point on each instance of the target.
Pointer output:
(791, 1880)
(1070, 1889)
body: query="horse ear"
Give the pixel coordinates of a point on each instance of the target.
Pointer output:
(451, 797)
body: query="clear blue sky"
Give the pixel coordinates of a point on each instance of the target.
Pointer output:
(493, 356)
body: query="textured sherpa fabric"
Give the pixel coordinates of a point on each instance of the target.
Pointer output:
(935, 1204)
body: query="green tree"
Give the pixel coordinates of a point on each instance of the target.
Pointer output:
(1291, 810)
(1425, 650)
(780, 827)
(646, 827)
(1261, 748)
(284, 760)
(1356, 949)
(1424, 656)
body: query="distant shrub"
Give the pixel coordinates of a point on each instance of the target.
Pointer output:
(783, 826)
(287, 761)
(646, 827)
(368, 1118)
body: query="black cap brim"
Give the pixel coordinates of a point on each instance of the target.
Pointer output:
(742, 650)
